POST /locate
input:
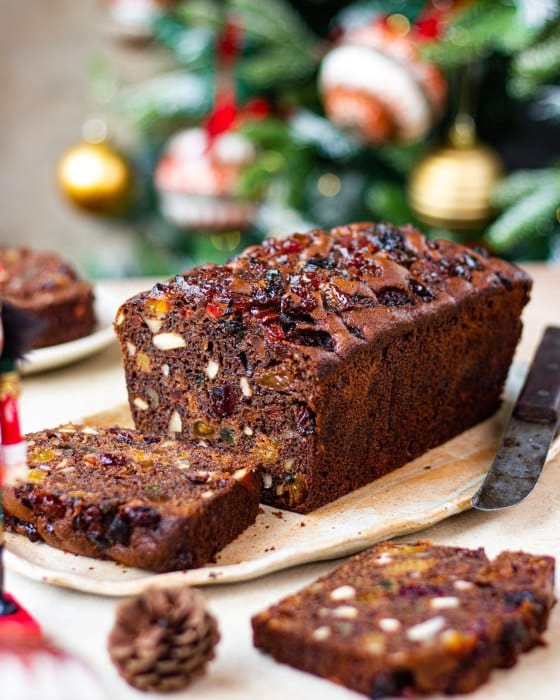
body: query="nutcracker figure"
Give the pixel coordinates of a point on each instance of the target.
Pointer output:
(16, 331)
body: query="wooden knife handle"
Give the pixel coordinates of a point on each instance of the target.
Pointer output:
(539, 400)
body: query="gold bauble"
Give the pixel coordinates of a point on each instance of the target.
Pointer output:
(451, 187)
(95, 177)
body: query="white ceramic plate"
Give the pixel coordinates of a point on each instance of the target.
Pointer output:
(44, 359)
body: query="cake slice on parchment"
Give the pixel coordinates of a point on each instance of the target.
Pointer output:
(401, 619)
(141, 500)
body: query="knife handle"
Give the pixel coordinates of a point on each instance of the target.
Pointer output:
(539, 400)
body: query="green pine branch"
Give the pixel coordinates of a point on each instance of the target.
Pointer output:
(523, 220)
(536, 65)
(484, 26)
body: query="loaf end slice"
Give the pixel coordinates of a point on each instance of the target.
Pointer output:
(141, 500)
(404, 619)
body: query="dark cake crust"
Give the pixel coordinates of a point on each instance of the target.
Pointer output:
(332, 357)
(138, 499)
(413, 619)
(51, 291)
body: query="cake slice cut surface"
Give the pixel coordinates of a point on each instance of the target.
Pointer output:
(404, 619)
(141, 500)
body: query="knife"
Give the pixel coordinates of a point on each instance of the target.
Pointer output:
(529, 434)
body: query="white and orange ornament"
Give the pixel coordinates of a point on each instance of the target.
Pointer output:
(198, 176)
(133, 20)
(375, 84)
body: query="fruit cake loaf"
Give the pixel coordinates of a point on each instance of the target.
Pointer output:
(401, 619)
(334, 357)
(142, 500)
(49, 289)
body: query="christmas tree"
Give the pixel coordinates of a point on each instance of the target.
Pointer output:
(282, 116)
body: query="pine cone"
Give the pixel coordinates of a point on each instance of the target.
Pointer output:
(162, 639)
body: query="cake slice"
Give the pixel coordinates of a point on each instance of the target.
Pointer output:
(49, 289)
(401, 619)
(142, 500)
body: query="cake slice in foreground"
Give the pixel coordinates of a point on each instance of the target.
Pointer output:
(142, 500)
(402, 619)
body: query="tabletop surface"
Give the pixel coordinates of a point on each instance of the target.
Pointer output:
(81, 623)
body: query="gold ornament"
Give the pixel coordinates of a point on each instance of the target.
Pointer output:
(95, 177)
(451, 187)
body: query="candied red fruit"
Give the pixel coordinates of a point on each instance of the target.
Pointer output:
(223, 400)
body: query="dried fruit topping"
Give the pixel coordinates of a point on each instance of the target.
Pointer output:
(320, 264)
(505, 281)
(314, 338)
(222, 399)
(421, 291)
(215, 310)
(393, 296)
(158, 306)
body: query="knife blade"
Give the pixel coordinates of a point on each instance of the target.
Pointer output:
(529, 434)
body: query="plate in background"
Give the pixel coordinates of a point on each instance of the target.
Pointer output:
(44, 359)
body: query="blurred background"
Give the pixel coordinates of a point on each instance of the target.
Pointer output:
(146, 136)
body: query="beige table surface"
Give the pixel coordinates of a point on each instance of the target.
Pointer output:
(81, 622)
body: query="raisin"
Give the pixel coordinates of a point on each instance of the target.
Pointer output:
(313, 338)
(98, 538)
(505, 281)
(197, 477)
(319, 264)
(122, 435)
(480, 250)
(119, 531)
(513, 599)
(199, 377)
(109, 459)
(388, 683)
(402, 257)
(335, 300)
(50, 506)
(388, 237)
(392, 296)
(222, 399)
(305, 424)
(141, 516)
(355, 331)
(150, 439)
(233, 325)
(421, 291)
(472, 262)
